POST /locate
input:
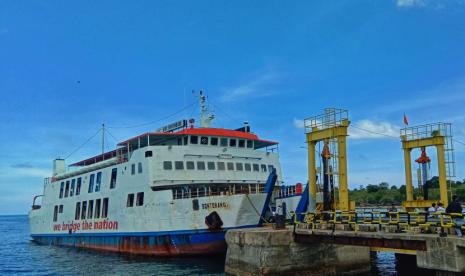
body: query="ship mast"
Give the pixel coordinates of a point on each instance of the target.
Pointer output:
(206, 117)
(103, 141)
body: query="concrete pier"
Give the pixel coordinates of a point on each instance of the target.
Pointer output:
(264, 251)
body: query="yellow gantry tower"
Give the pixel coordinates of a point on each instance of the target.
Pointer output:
(438, 135)
(330, 127)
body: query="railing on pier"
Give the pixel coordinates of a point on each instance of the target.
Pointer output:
(414, 222)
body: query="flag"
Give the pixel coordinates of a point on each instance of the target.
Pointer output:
(405, 120)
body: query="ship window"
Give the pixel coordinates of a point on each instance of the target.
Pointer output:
(73, 183)
(114, 174)
(179, 141)
(200, 165)
(195, 204)
(214, 141)
(270, 168)
(247, 167)
(139, 167)
(91, 209)
(91, 183)
(249, 143)
(256, 168)
(98, 183)
(60, 209)
(221, 166)
(78, 186)
(143, 141)
(186, 140)
(62, 187)
(224, 142)
(148, 153)
(55, 213)
(194, 140)
(179, 165)
(204, 140)
(232, 142)
(211, 165)
(241, 143)
(190, 165)
(167, 165)
(230, 166)
(239, 167)
(140, 199)
(78, 211)
(263, 168)
(130, 201)
(97, 208)
(133, 169)
(67, 188)
(84, 210)
(105, 208)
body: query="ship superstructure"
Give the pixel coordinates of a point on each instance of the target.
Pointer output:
(174, 191)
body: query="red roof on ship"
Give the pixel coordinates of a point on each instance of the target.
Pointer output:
(220, 132)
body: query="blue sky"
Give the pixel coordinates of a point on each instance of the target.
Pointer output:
(67, 67)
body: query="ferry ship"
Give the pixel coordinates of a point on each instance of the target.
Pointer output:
(172, 192)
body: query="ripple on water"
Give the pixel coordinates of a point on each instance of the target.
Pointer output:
(18, 255)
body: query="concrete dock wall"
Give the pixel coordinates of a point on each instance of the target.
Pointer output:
(443, 254)
(264, 251)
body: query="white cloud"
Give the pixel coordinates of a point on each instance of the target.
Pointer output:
(299, 123)
(19, 172)
(365, 129)
(258, 87)
(410, 3)
(368, 129)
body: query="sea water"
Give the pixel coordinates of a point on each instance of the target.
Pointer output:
(20, 256)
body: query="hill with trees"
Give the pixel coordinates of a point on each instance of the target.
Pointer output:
(384, 194)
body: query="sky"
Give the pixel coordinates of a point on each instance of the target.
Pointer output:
(66, 67)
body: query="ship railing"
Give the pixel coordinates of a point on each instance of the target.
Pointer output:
(234, 189)
(288, 191)
(273, 148)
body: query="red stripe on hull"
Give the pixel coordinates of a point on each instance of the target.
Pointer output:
(162, 251)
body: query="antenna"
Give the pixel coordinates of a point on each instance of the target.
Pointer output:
(103, 140)
(206, 116)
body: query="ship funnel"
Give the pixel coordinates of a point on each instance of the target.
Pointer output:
(58, 166)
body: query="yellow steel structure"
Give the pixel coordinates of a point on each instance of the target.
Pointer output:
(324, 132)
(408, 144)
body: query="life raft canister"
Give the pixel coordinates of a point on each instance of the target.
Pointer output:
(298, 188)
(213, 221)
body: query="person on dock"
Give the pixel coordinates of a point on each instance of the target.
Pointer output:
(440, 208)
(393, 208)
(455, 208)
(432, 209)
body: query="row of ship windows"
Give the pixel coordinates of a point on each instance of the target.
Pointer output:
(215, 141)
(139, 199)
(87, 209)
(221, 166)
(73, 187)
